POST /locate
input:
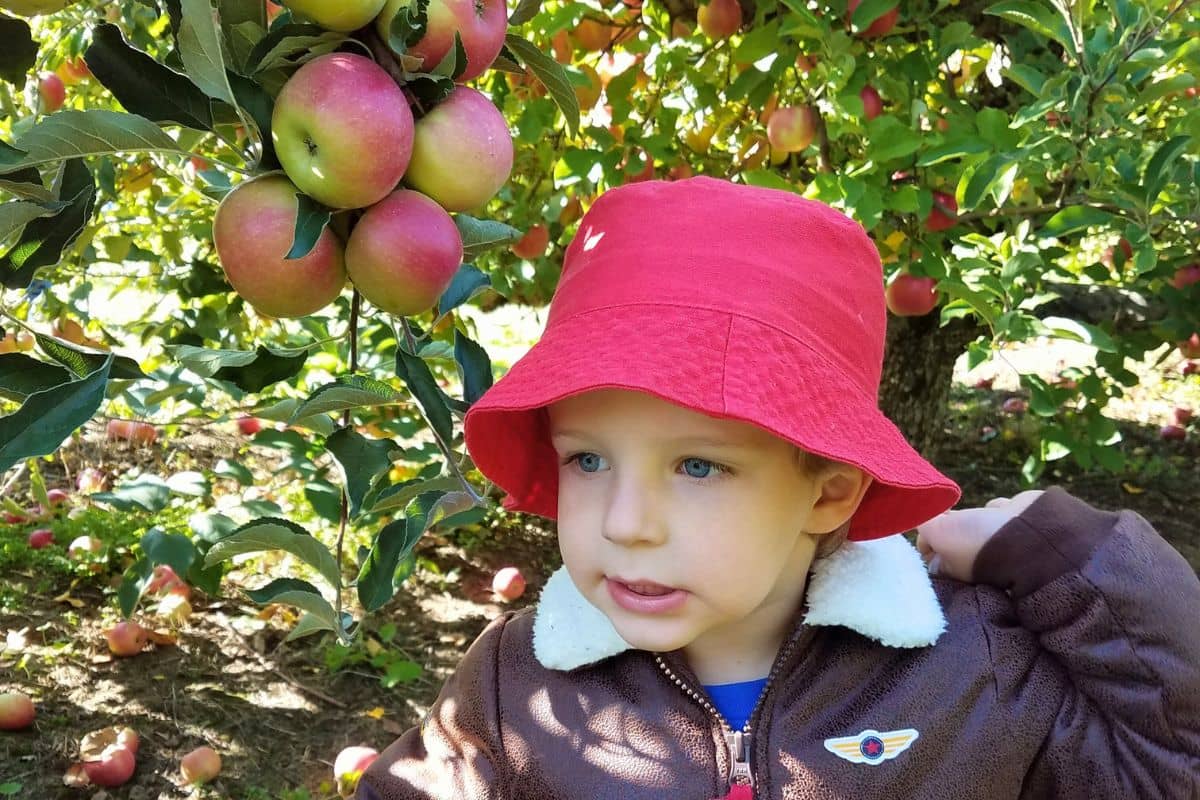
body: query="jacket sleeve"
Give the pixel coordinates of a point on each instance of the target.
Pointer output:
(456, 753)
(1116, 612)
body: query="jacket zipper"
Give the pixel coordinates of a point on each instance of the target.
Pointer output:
(737, 743)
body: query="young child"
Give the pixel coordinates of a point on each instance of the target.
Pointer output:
(737, 616)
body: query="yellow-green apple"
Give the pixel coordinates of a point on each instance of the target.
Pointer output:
(911, 296)
(872, 102)
(200, 765)
(533, 243)
(942, 214)
(16, 711)
(481, 24)
(791, 128)
(403, 253)
(42, 537)
(73, 70)
(880, 26)
(349, 765)
(51, 91)
(341, 15)
(462, 152)
(126, 638)
(253, 231)
(343, 130)
(508, 583)
(719, 19)
(1186, 276)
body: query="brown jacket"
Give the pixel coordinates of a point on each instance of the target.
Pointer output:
(1070, 670)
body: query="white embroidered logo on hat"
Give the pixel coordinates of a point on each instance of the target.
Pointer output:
(872, 747)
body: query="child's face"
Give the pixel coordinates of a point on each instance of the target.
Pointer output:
(725, 523)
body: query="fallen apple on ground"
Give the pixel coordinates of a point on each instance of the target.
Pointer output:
(114, 767)
(17, 711)
(57, 497)
(42, 537)
(1183, 415)
(200, 765)
(1174, 433)
(508, 583)
(128, 430)
(84, 544)
(1014, 405)
(349, 765)
(93, 745)
(90, 480)
(126, 639)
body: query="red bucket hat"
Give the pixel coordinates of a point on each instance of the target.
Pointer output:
(734, 301)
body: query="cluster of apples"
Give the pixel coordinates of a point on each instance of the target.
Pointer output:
(345, 135)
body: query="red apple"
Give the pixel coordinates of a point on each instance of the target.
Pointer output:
(114, 767)
(164, 580)
(126, 638)
(880, 26)
(16, 711)
(719, 19)
(791, 129)
(52, 93)
(253, 231)
(42, 537)
(349, 765)
(1014, 405)
(462, 151)
(1189, 368)
(872, 102)
(806, 63)
(14, 519)
(249, 425)
(1190, 347)
(57, 497)
(199, 164)
(1126, 251)
(1186, 276)
(342, 16)
(984, 383)
(84, 544)
(508, 583)
(332, 111)
(1172, 433)
(533, 244)
(142, 433)
(911, 296)
(942, 214)
(93, 745)
(403, 253)
(481, 24)
(73, 70)
(200, 765)
(1183, 415)
(90, 480)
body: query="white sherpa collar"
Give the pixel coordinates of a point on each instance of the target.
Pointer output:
(879, 588)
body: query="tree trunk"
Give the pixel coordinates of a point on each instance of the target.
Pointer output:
(918, 367)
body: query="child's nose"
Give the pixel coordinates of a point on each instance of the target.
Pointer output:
(633, 515)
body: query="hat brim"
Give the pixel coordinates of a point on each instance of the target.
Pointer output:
(766, 378)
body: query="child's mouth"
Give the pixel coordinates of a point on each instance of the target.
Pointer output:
(645, 597)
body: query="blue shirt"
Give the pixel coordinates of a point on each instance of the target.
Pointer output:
(735, 701)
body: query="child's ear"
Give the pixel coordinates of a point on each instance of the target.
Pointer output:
(841, 489)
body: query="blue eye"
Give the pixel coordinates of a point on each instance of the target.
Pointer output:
(704, 467)
(589, 458)
(698, 469)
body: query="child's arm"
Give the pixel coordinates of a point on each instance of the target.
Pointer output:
(1118, 609)
(456, 752)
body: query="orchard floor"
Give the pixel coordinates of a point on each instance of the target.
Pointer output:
(279, 715)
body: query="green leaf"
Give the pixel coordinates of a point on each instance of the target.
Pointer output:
(70, 134)
(18, 50)
(348, 391)
(22, 375)
(401, 494)
(869, 11)
(419, 380)
(311, 219)
(83, 360)
(377, 578)
(48, 417)
(952, 149)
(235, 470)
(475, 367)
(1157, 171)
(190, 483)
(43, 240)
(287, 45)
(200, 49)
(1067, 328)
(250, 371)
(268, 593)
(525, 11)
(142, 85)
(360, 460)
(551, 74)
(480, 235)
(284, 410)
(15, 215)
(145, 492)
(891, 139)
(975, 184)
(1027, 77)
(408, 27)
(133, 585)
(271, 533)
(467, 283)
(173, 549)
(1037, 17)
(303, 595)
(1075, 219)
(769, 179)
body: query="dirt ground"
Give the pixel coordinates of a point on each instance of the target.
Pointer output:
(279, 716)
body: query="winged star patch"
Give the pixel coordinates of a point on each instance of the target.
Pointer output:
(872, 747)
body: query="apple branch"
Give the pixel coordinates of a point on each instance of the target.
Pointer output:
(344, 510)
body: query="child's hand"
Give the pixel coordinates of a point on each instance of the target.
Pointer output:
(950, 542)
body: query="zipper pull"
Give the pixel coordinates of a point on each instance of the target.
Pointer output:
(741, 780)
